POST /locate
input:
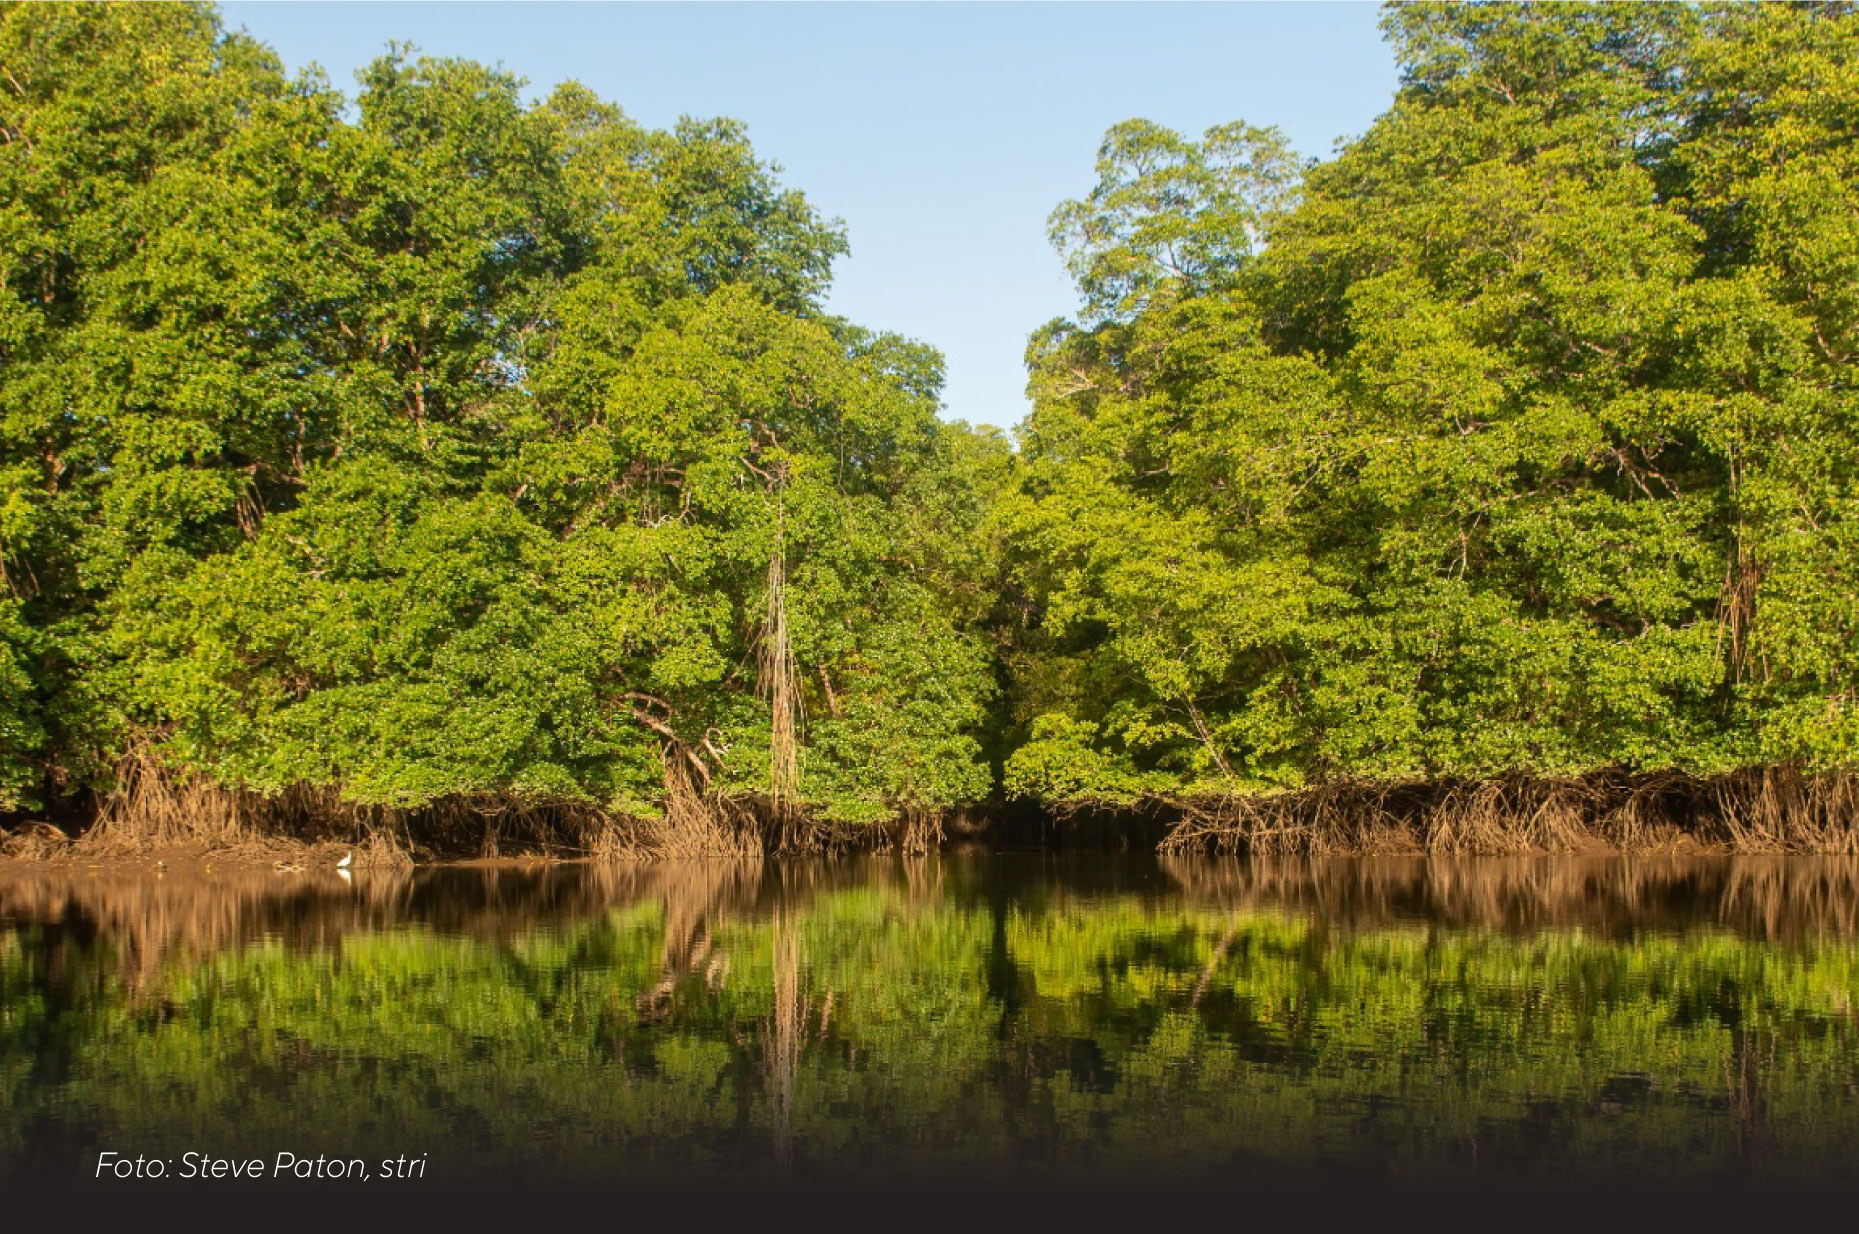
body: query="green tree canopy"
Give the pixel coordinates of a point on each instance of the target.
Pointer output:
(437, 445)
(1526, 444)
(441, 448)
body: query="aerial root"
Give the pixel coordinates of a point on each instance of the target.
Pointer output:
(1773, 809)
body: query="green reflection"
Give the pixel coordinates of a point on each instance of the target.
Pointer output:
(930, 1020)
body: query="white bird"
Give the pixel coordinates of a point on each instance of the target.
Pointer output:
(348, 859)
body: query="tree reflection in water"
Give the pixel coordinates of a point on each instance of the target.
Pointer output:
(1037, 1020)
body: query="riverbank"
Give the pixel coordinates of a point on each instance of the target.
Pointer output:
(1772, 809)
(1757, 811)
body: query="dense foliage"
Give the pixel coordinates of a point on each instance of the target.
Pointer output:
(1519, 437)
(437, 445)
(455, 446)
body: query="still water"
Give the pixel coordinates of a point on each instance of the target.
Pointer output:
(1011, 1020)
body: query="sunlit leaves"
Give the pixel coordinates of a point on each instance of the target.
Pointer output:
(419, 449)
(1170, 216)
(1524, 445)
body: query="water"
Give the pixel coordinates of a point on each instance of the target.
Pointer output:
(1002, 1021)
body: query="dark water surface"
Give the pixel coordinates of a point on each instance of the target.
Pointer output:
(1019, 1021)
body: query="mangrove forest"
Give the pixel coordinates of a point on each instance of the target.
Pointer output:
(434, 467)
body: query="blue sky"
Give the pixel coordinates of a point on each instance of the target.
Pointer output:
(942, 134)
